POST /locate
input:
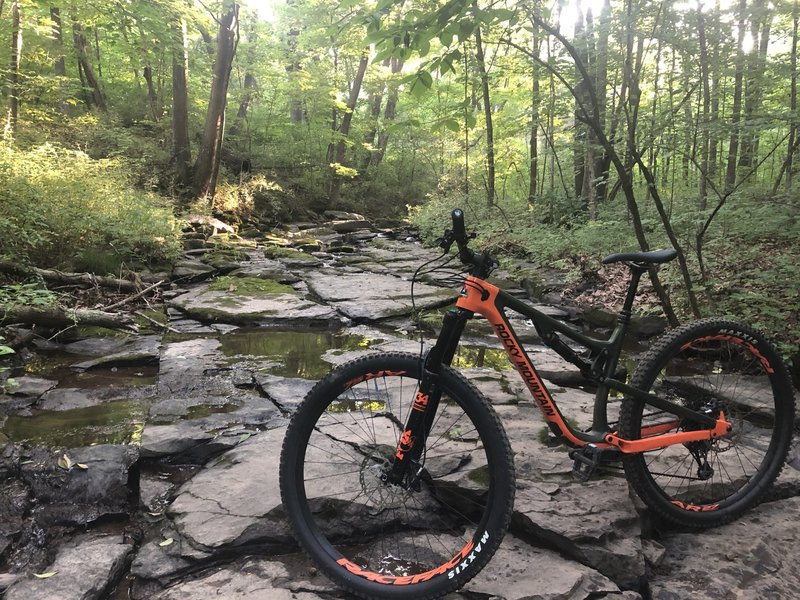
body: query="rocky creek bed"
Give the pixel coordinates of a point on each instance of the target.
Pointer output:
(145, 466)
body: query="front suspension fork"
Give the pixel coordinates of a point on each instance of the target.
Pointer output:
(408, 460)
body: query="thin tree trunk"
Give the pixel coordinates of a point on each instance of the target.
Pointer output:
(250, 84)
(704, 77)
(733, 147)
(59, 64)
(208, 157)
(390, 112)
(533, 168)
(97, 96)
(13, 70)
(792, 104)
(347, 119)
(180, 105)
(487, 113)
(152, 96)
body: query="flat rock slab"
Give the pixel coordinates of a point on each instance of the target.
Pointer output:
(255, 579)
(753, 557)
(141, 350)
(236, 500)
(266, 310)
(84, 570)
(519, 571)
(373, 296)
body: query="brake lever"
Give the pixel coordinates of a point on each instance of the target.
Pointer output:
(446, 241)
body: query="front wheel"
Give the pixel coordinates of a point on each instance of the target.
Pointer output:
(717, 367)
(419, 539)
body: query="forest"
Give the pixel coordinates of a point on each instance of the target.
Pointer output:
(566, 130)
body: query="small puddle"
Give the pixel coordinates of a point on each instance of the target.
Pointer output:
(119, 422)
(295, 353)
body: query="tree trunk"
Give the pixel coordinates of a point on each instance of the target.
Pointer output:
(733, 147)
(152, 95)
(533, 168)
(704, 77)
(13, 69)
(59, 64)
(295, 103)
(180, 105)
(389, 113)
(487, 112)
(344, 130)
(206, 169)
(792, 104)
(97, 96)
(250, 84)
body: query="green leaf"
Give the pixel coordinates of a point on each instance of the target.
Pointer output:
(446, 37)
(452, 125)
(425, 79)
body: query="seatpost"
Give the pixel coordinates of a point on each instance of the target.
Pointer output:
(627, 306)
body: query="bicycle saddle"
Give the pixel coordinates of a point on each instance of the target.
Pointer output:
(654, 257)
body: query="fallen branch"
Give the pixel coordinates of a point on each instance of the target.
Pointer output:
(134, 297)
(55, 317)
(82, 279)
(163, 326)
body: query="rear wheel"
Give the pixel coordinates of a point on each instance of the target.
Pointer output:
(419, 539)
(717, 367)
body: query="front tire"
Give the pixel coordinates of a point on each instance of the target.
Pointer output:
(716, 366)
(379, 540)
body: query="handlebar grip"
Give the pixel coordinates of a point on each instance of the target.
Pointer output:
(458, 226)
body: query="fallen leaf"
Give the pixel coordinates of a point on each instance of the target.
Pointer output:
(166, 542)
(82, 466)
(45, 575)
(244, 437)
(65, 462)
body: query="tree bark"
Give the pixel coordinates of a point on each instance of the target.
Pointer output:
(13, 69)
(180, 105)
(207, 166)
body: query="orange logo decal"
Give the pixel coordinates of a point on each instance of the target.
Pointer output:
(420, 402)
(406, 443)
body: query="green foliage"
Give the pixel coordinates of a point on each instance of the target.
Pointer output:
(60, 208)
(26, 294)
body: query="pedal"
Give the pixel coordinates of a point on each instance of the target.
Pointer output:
(587, 458)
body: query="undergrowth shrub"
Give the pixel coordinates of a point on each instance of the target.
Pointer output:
(60, 208)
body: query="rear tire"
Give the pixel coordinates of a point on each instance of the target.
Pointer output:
(379, 540)
(712, 365)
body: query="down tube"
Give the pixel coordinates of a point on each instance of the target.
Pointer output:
(482, 297)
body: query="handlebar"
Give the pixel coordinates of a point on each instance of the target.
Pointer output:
(480, 263)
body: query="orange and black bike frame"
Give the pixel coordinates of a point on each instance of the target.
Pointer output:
(480, 297)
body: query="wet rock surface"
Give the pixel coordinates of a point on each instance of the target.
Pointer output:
(179, 500)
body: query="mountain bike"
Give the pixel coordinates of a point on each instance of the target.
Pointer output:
(397, 477)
